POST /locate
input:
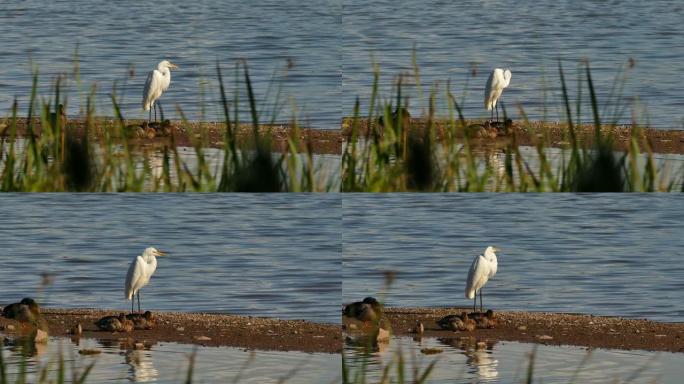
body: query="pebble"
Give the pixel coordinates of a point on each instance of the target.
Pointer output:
(41, 336)
(431, 351)
(9, 327)
(352, 327)
(522, 328)
(138, 346)
(202, 338)
(544, 337)
(383, 335)
(180, 329)
(87, 351)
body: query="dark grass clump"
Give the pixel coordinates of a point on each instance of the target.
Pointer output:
(64, 155)
(395, 155)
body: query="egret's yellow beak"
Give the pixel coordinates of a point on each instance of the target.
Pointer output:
(161, 253)
(496, 249)
(173, 66)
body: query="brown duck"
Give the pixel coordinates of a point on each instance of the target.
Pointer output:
(115, 323)
(144, 321)
(457, 323)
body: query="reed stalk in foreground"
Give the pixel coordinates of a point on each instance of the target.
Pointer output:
(70, 157)
(395, 157)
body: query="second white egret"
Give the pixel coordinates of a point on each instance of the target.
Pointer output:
(482, 269)
(497, 81)
(139, 273)
(158, 81)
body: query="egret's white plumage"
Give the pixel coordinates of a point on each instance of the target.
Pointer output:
(139, 273)
(482, 269)
(158, 81)
(497, 81)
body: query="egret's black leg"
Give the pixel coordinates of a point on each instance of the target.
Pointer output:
(149, 120)
(474, 302)
(497, 112)
(133, 303)
(480, 299)
(139, 302)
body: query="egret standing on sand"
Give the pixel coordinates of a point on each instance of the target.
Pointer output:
(498, 80)
(157, 82)
(482, 269)
(139, 273)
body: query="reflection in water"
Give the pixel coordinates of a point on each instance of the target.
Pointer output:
(479, 356)
(467, 360)
(141, 366)
(120, 361)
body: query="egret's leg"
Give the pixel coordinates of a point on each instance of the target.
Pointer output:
(475, 302)
(139, 302)
(480, 299)
(132, 303)
(150, 118)
(497, 112)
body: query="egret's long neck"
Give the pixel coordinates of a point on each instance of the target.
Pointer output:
(165, 71)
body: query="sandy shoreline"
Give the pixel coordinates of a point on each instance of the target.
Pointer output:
(552, 134)
(331, 141)
(201, 329)
(547, 328)
(320, 141)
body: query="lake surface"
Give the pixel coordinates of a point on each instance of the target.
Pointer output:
(604, 254)
(508, 362)
(168, 363)
(452, 38)
(297, 47)
(248, 254)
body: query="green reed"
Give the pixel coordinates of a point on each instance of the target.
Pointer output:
(99, 155)
(392, 156)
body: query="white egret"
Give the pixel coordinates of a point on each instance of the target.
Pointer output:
(139, 273)
(482, 269)
(158, 81)
(497, 81)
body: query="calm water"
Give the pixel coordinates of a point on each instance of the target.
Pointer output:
(112, 37)
(526, 36)
(507, 362)
(249, 254)
(600, 254)
(168, 363)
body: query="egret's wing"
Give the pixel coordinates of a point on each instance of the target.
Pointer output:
(153, 89)
(493, 266)
(488, 90)
(134, 276)
(477, 276)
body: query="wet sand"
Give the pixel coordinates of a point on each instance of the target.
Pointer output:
(330, 141)
(319, 141)
(553, 134)
(544, 328)
(201, 329)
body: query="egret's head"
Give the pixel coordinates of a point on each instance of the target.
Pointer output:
(491, 249)
(166, 64)
(151, 251)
